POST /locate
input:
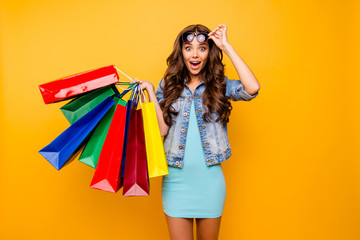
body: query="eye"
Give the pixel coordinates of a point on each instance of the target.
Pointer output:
(203, 48)
(187, 48)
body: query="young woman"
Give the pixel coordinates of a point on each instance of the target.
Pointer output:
(193, 108)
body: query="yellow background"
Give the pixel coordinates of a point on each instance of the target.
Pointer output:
(295, 170)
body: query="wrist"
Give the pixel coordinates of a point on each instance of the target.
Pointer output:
(152, 95)
(150, 88)
(227, 48)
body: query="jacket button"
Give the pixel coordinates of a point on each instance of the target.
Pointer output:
(177, 163)
(188, 99)
(181, 147)
(185, 114)
(182, 130)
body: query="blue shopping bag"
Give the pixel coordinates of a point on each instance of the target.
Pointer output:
(91, 153)
(71, 140)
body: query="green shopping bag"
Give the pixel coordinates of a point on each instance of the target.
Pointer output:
(78, 107)
(91, 153)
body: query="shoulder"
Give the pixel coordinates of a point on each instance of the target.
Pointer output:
(161, 83)
(159, 90)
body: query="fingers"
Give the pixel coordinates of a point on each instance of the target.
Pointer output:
(220, 29)
(216, 34)
(143, 84)
(135, 80)
(223, 26)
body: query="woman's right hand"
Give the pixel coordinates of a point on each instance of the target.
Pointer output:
(149, 87)
(144, 85)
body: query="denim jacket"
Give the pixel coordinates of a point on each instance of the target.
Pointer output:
(214, 135)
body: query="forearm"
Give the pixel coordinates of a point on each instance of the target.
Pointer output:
(159, 113)
(246, 76)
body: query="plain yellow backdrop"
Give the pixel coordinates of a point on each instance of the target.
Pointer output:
(295, 170)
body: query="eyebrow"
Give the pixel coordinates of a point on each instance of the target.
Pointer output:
(202, 44)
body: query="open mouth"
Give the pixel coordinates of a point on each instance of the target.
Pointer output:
(195, 64)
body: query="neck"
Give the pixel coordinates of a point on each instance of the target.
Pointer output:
(194, 78)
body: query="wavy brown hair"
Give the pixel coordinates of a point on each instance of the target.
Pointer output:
(212, 74)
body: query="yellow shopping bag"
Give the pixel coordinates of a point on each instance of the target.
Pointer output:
(156, 159)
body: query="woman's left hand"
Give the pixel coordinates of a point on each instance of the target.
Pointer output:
(218, 35)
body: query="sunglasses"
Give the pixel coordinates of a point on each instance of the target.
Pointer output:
(188, 37)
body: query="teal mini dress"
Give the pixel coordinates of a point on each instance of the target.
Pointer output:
(195, 190)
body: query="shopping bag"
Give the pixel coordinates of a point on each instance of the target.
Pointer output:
(72, 139)
(74, 85)
(83, 104)
(155, 154)
(136, 181)
(91, 153)
(127, 122)
(107, 176)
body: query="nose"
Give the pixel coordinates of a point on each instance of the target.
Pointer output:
(195, 53)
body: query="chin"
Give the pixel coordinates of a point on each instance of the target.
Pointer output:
(195, 72)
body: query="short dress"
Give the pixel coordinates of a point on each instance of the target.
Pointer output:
(195, 190)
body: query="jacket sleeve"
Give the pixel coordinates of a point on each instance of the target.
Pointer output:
(159, 91)
(236, 92)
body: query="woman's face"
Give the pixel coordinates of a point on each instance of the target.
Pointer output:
(195, 55)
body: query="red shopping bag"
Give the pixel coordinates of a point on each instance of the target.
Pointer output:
(73, 85)
(136, 180)
(107, 175)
